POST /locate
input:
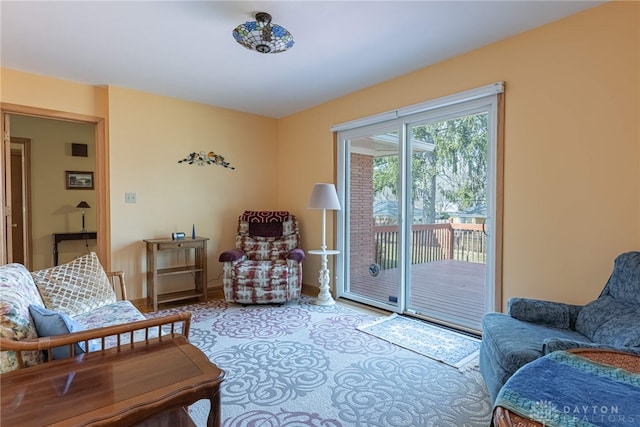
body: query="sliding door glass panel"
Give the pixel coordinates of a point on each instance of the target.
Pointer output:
(448, 208)
(373, 219)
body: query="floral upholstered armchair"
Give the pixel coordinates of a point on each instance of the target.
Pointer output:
(266, 265)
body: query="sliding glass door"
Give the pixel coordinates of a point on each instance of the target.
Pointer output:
(419, 197)
(373, 169)
(448, 197)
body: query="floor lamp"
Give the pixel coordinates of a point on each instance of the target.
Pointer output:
(324, 196)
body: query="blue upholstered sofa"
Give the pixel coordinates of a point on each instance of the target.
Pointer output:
(533, 328)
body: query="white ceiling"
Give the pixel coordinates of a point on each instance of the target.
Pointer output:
(184, 49)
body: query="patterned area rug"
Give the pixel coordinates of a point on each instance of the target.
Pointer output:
(454, 349)
(305, 365)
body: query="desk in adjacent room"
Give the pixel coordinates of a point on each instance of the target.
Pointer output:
(74, 235)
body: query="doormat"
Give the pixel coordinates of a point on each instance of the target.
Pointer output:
(441, 344)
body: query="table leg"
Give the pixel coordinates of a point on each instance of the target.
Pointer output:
(324, 297)
(214, 419)
(55, 252)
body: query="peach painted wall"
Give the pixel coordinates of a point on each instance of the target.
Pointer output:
(572, 146)
(148, 135)
(44, 92)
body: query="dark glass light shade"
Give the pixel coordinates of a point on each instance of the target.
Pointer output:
(263, 36)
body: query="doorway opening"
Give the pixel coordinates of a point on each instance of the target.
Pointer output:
(21, 201)
(36, 250)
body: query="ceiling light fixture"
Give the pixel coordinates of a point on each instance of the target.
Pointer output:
(263, 36)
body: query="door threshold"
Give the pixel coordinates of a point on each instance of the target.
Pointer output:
(470, 331)
(367, 309)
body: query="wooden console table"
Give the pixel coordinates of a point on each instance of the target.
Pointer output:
(77, 235)
(198, 269)
(133, 386)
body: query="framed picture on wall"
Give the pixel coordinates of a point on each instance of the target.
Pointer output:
(79, 180)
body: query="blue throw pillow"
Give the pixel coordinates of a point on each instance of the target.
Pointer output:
(49, 323)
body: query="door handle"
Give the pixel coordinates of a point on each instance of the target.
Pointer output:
(14, 225)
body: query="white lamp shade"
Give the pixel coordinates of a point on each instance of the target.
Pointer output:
(324, 196)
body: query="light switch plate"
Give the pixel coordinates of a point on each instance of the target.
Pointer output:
(129, 197)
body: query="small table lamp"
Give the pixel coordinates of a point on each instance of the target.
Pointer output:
(83, 205)
(324, 197)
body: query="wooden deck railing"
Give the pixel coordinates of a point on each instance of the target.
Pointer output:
(432, 242)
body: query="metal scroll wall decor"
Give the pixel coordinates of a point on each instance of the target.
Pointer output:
(203, 158)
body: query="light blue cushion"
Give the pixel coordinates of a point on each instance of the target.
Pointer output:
(548, 313)
(610, 321)
(50, 323)
(625, 279)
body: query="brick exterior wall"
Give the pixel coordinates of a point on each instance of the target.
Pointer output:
(361, 211)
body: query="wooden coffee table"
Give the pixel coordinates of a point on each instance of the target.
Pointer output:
(154, 381)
